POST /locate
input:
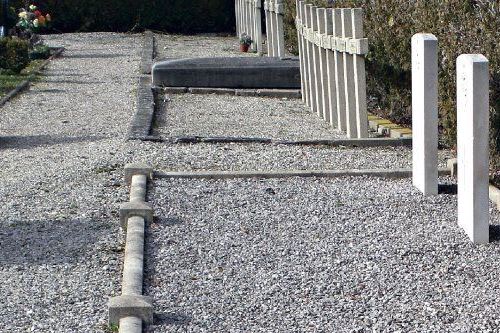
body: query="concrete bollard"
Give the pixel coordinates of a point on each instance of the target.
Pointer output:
(425, 112)
(472, 145)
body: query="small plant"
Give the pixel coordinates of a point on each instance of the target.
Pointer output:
(245, 39)
(32, 19)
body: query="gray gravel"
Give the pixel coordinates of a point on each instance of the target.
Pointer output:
(62, 153)
(198, 46)
(222, 115)
(186, 157)
(316, 255)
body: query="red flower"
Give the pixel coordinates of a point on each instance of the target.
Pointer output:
(37, 13)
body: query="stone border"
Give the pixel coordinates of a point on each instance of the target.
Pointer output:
(387, 127)
(383, 173)
(147, 53)
(275, 93)
(131, 309)
(26, 83)
(361, 143)
(141, 124)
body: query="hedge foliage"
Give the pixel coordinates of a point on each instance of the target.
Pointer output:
(14, 54)
(124, 15)
(461, 26)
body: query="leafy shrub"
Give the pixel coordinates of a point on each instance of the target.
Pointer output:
(461, 26)
(40, 51)
(14, 54)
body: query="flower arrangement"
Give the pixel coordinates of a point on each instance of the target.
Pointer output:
(245, 39)
(32, 19)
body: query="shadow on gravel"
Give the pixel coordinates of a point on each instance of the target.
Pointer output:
(164, 319)
(495, 233)
(33, 141)
(96, 55)
(447, 188)
(49, 242)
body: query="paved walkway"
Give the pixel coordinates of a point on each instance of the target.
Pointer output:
(306, 255)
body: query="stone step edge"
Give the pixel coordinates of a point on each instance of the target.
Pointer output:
(387, 127)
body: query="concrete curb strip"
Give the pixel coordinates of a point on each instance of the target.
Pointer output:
(134, 169)
(384, 173)
(148, 53)
(368, 142)
(145, 109)
(131, 309)
(130, 305)
(131, 209)
(275, 93)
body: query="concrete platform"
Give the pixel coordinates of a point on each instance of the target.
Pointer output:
(235, 72)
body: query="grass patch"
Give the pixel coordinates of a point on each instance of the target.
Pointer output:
(9, 81)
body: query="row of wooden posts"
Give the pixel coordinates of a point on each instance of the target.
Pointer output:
(472, 132)
(249, 22)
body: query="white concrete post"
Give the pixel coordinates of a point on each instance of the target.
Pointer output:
(255, 34)
(339, 72)
(359, 77)
(258, 25)
(310, 61)
(350, 97)
(331, 93)
(317, 100)
(268, 27)
(472, 145)
(280, 30)
(300, 38)
(424, 58)
(274, 52)
(305, 45)
(323, 73)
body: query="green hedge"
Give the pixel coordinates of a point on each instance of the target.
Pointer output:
(123, 15)
(14, 54)
(462, 26)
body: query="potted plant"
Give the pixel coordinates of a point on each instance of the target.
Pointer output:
(245, 42)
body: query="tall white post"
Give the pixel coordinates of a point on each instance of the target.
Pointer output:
(472, 145)
(424, 58)
(359, 77)
(330, 71)
(272, 23)
(258, 25)
(339, 72)
(350, 97)
(307, 83)
(317, 100)
(310, 57)
(268, 27)
(253, 26)
(323, 74)
(280, 30)
(300, 39)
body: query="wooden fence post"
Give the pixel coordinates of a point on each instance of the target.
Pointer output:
(300, 38)
(350, 86)
(359, 75)
(310, 55)
(279, 10)
(318, 101)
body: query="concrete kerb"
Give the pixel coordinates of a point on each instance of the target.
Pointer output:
(382, 173)
(131, 309)
(147, 53)
(142, 121)
(272, 93)
(359, 143)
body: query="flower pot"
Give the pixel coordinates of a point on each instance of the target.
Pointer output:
(244, 47)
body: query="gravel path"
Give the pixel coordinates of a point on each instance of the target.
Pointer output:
(62, 153)
(237, 157)
(316, 255)
(221, 115)
(62, 156)
(198, 46)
